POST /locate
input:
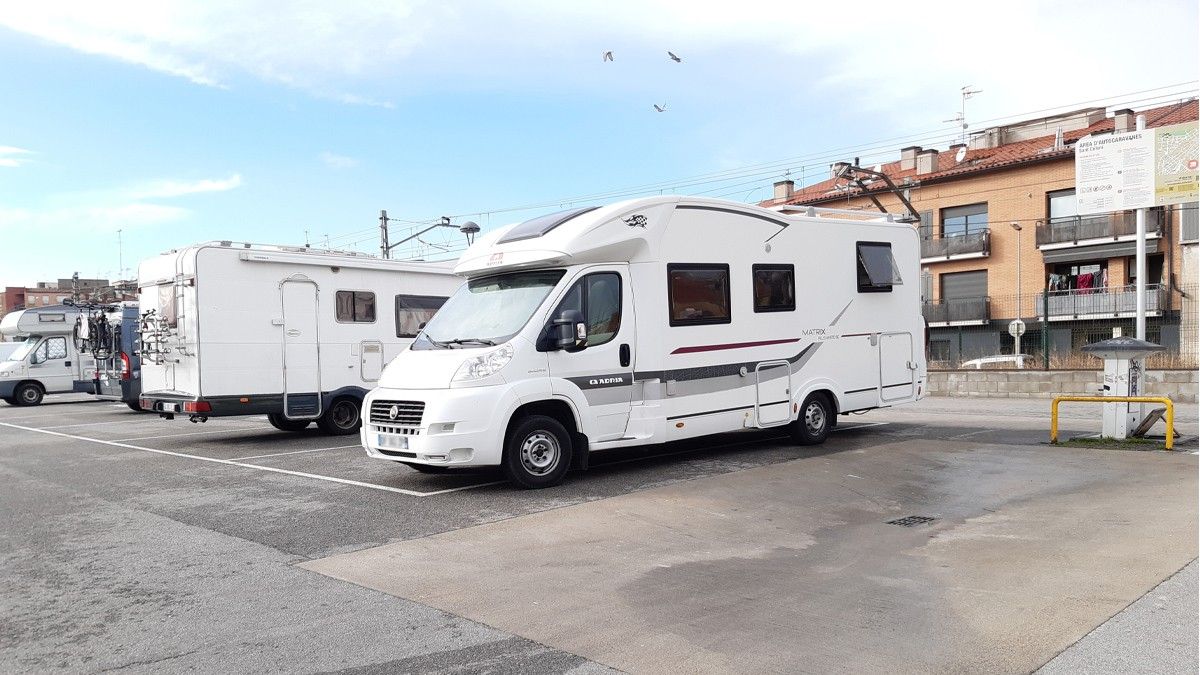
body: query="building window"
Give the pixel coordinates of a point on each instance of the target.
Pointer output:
(774, 288)
(1086, 275)
(1062, 206)
(698, 294)
(963, 220)
(877, 269)
(414, 311)
(1154, 268)
(598, 298)
(355, 307)
(939, 350)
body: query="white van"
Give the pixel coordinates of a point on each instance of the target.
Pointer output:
(654, 320)
(47, 361)
(294, 333)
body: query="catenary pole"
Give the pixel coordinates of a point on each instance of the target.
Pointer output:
(384, 249)
(1140, 287)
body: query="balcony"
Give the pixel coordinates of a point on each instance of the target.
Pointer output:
(956, 247)
(1098, 229)
(957, 311)
(1102, 303)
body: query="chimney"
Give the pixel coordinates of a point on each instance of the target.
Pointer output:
(1124, 120)
(837, 169)
(908, 157)
(784, 189)
(927, 161)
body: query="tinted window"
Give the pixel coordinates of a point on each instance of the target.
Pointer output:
(355, 307)
(598, 298)
(877, 271)
(414, 311)
(531, 229)
(698, 294)
(961, 220)
(774, 288)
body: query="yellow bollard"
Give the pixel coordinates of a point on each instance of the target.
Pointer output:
(1114, 399)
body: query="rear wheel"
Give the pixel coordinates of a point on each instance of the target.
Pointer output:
(284, 424)
(134, 406)
(29, 393)
(537, 453)
(342, 418)
(815, 420)
(9, 400)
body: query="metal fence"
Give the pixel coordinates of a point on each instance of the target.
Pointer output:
(963, 332)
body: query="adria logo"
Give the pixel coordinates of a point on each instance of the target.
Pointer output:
(606, 380)
(496, 259)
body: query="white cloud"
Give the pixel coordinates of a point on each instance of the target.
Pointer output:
(102, 218)
(335, 161)
(13, 157)
(165, 189)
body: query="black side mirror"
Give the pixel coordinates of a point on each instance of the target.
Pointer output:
(570, 330)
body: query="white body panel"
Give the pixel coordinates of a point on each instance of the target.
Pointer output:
(864, 348)
(253, 323)
(62, 367)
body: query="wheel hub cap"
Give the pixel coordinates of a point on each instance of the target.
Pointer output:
(540, 453)
(814, 417)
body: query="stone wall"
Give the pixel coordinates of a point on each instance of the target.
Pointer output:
(1178, 385)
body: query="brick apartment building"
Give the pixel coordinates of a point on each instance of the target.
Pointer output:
(46, 293)
(973, 197)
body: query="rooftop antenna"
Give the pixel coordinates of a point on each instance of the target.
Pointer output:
(120, 255)
(967, 92)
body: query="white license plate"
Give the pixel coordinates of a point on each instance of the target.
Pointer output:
(395, 442)
(169, 407)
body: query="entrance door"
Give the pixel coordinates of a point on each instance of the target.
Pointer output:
(773, 402)
(371, 360)
(603, 370)
(51, 364)
(896, 374)
(301, 349)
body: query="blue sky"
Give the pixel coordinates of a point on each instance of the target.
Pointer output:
(179, 121)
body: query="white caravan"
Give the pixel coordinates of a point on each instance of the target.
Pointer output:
(654, 320)
(294, 333)
(47, 361)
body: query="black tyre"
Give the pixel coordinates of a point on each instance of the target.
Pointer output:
(29, 393)
(342, 418)
(425, 468)
(134, 406)
(537, 452)
(282, 423)
(9, 400)
(815, 420)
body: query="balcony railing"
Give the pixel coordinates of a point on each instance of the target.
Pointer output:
(957, 311)
(1074, 229)
(1101, 302)
(977, 243)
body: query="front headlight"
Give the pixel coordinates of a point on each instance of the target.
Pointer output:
(484, 365)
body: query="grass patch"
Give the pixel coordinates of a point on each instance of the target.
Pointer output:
(1116, 443)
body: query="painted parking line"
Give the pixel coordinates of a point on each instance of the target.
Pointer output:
(89, 424)
(295, 452)
(230, 462)
(193, 433)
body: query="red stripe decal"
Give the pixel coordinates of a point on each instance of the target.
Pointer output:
(732, 345)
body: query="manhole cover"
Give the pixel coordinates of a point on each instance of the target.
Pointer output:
(911, 521)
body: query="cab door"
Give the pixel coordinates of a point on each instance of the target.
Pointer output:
(50, 363)
(602, 371)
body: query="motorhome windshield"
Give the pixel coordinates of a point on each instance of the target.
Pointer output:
(26, 347)
(488, 311)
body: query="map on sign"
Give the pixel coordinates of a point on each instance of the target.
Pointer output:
(1138, 169)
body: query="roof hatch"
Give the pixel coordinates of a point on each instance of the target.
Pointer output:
(532, 229)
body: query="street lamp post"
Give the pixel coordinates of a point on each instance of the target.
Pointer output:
(1020, 325)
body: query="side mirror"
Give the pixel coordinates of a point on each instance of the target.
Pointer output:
(571, 330)
(33, 359)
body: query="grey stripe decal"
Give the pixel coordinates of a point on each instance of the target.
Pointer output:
(722, 410)
(695, 207)
(724, 370)
(859, 391)
(839, 314)
(601, 381)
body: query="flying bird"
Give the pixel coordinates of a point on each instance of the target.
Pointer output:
(674, 58)
(607, 56)
(660, 108)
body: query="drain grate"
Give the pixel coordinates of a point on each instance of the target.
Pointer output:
(912, 521)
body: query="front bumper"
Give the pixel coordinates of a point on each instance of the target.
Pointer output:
(458, 427)
(7, 388)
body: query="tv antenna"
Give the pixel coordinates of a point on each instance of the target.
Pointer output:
(960, 118)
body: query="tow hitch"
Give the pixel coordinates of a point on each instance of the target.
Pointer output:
(198, 418)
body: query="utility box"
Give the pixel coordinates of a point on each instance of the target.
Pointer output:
(1124, 375)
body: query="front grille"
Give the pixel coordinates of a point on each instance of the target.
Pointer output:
(393, 429)
(408, 413)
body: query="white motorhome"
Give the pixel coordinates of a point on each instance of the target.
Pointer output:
(294, 333)
(48, 360)
(654, 320)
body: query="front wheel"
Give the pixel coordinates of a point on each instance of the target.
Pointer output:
(815, 420)
(342, 418)
(537, 453)
(29, 393)
(284, 424)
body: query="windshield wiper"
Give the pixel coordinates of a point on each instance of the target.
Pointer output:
(474, 341)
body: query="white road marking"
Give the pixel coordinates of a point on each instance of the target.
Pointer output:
(296, 452)
(972, 433)
(193, 433)
(859, 425)
(87, 424)
(230, 462)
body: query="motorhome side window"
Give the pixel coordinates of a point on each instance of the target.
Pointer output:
(877, 269)
(774, 288)
(51, 348)
(698, 294)
(355, 307)
(166, 305)
(598, 298)
(414, 311)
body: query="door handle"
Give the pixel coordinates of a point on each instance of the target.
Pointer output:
(625, 357)
(67, 364)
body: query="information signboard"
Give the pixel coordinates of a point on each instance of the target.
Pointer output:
(1137, 169)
